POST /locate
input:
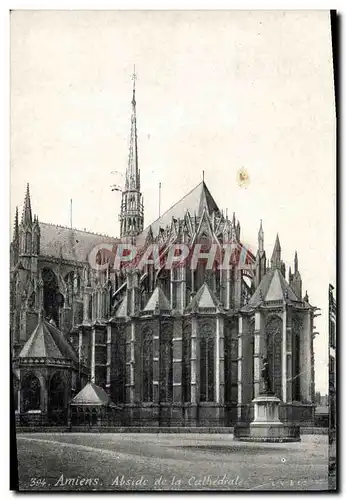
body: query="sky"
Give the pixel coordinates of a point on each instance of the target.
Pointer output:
(217, 92)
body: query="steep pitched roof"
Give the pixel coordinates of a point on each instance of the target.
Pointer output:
(91, 395)
(204, 298)
(46, 341)
(194, 202)
(69, 243)
(272, 287)
(158, 300)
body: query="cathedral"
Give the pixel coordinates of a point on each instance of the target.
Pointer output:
(168, 347)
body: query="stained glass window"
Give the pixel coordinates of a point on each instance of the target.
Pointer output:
(166, 364)
(186, 364)
(296, 324)
(207, 370)
(147, 365)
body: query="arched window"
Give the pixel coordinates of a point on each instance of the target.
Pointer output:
(165, 281)
(274, 348)
(296, 332)
(96, 305)
(31, 391)
(230, 363)
(90, 307)
(118, 364)
(37, 244)
(69, 280)
(78, 284)
(186, 364)
(207, 369)
(147, 365)
(166, 363)
(51, 296)
(28, 243)
(246, 289)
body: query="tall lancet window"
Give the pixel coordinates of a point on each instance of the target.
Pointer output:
(296, 331)
(166, 363)
(207, 358)
(147, 364)
(28, 243)
(274, 349)
(186, 364)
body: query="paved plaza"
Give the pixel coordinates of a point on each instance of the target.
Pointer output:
(169, 462)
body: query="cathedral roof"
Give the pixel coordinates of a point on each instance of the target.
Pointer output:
(204, 299)
(91, 395)
(69, 243)
(272, 287)
(158, 301)
(194, 202)
(46, 341)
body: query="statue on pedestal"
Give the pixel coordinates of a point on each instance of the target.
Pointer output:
(266, 383)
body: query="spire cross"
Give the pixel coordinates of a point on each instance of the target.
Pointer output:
(134, 77)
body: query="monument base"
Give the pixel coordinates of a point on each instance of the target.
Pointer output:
(266, 426)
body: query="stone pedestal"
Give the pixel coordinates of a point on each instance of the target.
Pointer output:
(266, 426)
(266, 409)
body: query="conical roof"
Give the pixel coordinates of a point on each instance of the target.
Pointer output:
(158, 301)
(91, 395)
(46, 341)
(204, 298)
(272, 287)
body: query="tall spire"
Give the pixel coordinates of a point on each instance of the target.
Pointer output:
(132, 173)
(27, 215)
(276, 256)
(16, 227)
(295, 263)
(260, 257)
(15, 240)
(131, 213)
(261, 238)
(296, 280)
(238, 230)
(233, 220)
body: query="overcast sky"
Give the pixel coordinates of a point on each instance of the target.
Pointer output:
(216, 91)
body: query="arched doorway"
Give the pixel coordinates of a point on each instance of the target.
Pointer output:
(57, 411)
(31, 393)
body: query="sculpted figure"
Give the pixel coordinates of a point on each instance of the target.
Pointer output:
(266, 376)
